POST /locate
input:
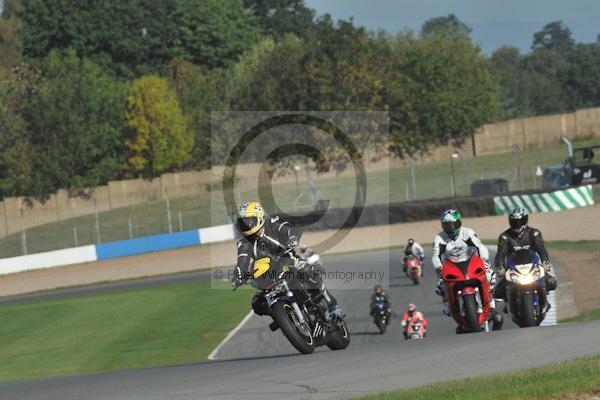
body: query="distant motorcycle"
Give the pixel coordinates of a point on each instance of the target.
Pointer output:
(467, 291)
(415, 329)
(526, 288)
(381, 315)
(413, 267)
(301, 313)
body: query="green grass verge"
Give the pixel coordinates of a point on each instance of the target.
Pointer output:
(171, 324)
(433, 180)
(588, 315)
(585, 246)
(572, 377)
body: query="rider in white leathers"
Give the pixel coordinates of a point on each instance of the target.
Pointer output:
(456, 239)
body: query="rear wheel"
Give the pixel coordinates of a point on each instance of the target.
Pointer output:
(340, 338)
(526, 311)
(470, 310)
(300, 338)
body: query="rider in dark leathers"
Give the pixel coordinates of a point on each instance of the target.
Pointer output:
(265, 236)
(380, 295)
(520, 236)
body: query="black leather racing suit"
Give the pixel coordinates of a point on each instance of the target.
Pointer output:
(379, 297)
(528, 239)
(273, 240)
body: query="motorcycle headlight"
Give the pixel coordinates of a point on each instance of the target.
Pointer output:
(512, 276)
(525, 279)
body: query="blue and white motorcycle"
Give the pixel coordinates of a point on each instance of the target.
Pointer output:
(526, 288)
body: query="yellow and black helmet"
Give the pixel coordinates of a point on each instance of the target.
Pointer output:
(251, 218)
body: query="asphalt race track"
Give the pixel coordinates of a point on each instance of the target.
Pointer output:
(259, 364)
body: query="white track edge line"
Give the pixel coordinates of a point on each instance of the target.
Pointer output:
(213, 354)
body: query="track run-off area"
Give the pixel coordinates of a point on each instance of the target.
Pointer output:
(255, 363)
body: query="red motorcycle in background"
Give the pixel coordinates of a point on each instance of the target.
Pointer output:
(413, 268)
(467, 291)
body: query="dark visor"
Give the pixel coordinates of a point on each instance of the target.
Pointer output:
(246, 223)
(449, 226)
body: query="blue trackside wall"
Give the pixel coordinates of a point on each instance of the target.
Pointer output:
(147, 244)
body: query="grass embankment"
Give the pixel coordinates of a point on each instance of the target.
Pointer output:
(587, 315)
(172, 324)
(433, 180)
(569, 378)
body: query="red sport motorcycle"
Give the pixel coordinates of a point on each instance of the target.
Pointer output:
(467, 291)
(413, 268)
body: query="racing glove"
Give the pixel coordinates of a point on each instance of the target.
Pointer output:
(292, 242)
(237, 281)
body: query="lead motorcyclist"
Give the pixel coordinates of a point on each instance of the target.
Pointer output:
(457, 238)
(412, 316)
(264, 236)
(413, 249)
(520, 236)
(377, 296)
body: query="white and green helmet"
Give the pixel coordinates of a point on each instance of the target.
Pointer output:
(451, 222)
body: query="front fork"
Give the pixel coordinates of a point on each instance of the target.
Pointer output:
(478, 301)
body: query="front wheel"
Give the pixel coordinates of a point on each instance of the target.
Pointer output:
(415, 277)
(470, 310)
(340, 338)
(526, 311)
(300, 338)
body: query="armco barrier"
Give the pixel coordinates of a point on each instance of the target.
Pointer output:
(147, 244)
(110, 250)
(48, 259)
(564, 199)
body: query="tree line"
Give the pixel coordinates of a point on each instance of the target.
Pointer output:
(92, 91)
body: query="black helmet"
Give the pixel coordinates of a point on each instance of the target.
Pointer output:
(411, 242)
(517, 219)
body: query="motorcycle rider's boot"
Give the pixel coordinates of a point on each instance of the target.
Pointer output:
(445, 307)
(551, 283)
(439, 291)
(273, 326)
(497, 320)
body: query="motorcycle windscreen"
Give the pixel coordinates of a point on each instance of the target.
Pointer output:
(523, 256)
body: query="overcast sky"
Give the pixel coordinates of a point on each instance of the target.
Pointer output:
(494, 22)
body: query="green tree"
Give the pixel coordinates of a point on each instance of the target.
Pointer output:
(75, 123)
(10, 46)
(16, 153)
(138, 37)
(554, 36)
(213, 32)
(271, 77)
(438, 89)
(199, 92)
(279, 17)
(449, 25)
(159, 140)
(583, 83)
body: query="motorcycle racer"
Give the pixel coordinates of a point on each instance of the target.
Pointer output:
(264, 236)
(412, 316)
(455, 238)
(520, 236)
